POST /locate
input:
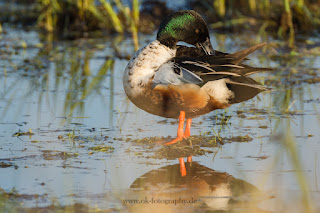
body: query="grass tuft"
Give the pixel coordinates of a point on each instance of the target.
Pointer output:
(74, 18)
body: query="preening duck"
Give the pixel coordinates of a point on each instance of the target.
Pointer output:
(175, 81)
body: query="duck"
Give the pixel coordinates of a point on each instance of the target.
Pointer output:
(171, 80)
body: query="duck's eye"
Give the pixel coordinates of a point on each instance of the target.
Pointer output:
(197, 30)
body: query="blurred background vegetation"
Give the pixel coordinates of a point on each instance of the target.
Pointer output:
(70, 19)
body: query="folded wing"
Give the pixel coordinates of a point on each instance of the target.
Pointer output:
(191, 65)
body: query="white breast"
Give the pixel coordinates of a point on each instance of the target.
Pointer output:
(142, 66)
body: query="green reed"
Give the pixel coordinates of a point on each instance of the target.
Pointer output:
(291, 147)
(286, 17)
(252, 6)
(131, 18)
(105, 15)
(48, 16)
(287, 22)
(220, 7)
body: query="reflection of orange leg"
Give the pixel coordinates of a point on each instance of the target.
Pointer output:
(183, 170)
(187, 134)
(180, 134)
(188, 126)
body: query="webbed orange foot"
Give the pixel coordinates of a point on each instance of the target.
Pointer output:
(180, 134)
(175, 141)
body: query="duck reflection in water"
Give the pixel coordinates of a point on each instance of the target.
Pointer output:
(199, 189)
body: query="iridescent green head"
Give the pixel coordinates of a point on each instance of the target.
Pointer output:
(187, 26)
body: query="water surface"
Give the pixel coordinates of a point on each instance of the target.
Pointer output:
(69, 94)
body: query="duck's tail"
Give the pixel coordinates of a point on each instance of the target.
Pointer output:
(239, 56)
(244, 88)
(249, 70)
(231, 63)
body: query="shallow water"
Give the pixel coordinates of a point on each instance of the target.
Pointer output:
(70, 95)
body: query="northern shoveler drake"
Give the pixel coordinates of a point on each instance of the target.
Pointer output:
(176, 81)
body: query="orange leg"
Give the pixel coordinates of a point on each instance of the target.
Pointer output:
(188, 126)
(183, 170)
(180, 134)
(189, 159)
